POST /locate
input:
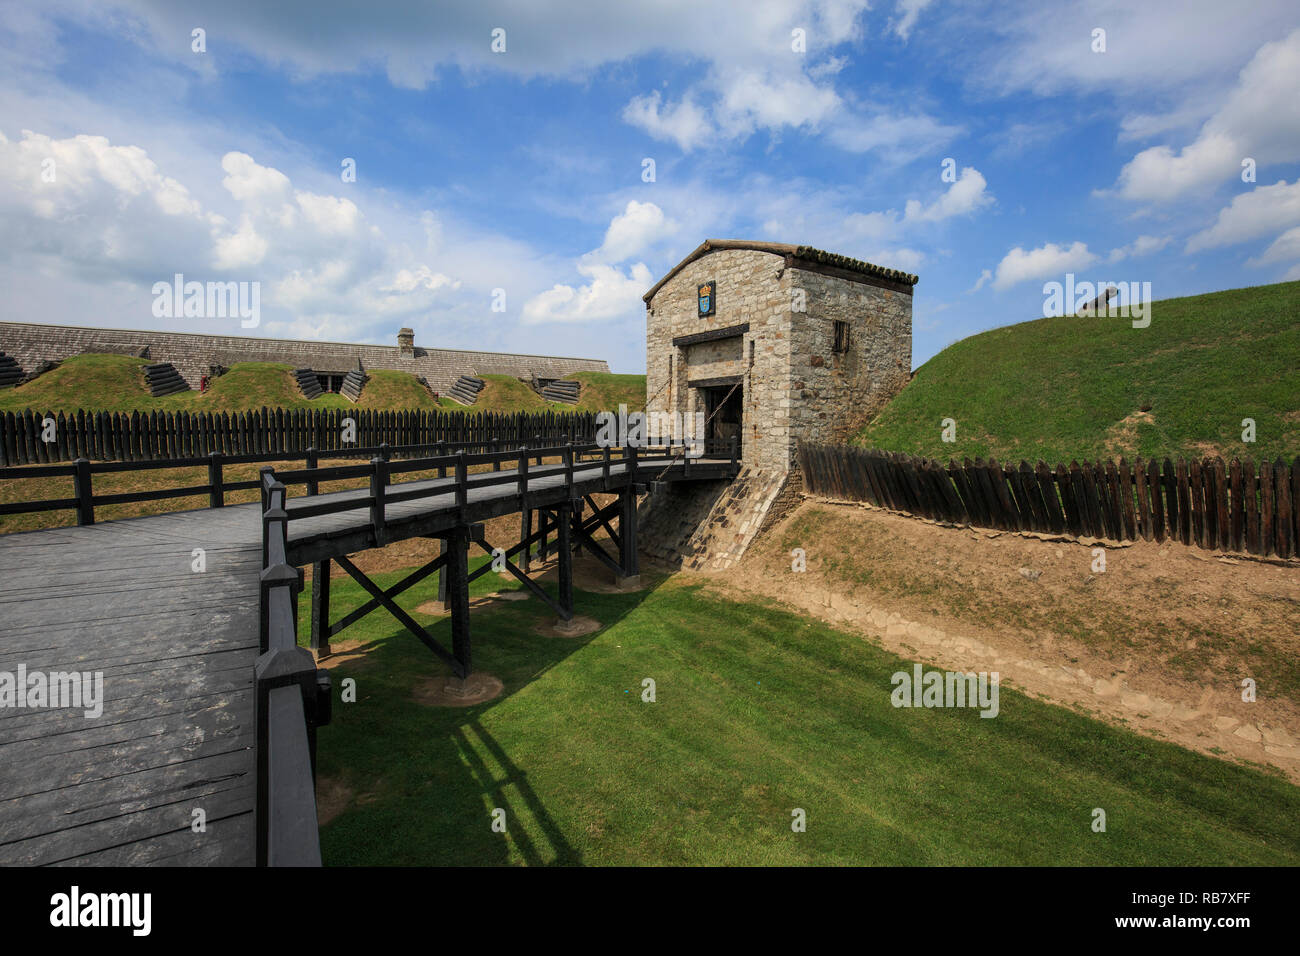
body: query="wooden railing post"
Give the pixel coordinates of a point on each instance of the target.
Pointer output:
(378, 486)
(523, 478)
(537, 443)
(604, 468)
(216, 490)
(496, 447)
(81, 487)
(568, 469)
(313, 461)
(462, 492)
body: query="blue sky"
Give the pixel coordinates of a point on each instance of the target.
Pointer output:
(522, 170)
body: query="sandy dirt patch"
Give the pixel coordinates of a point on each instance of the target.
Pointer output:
(453, 692)
(578, 626)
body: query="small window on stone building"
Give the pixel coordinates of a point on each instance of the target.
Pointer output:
(841, 338)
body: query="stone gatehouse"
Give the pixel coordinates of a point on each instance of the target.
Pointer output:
(776, 344)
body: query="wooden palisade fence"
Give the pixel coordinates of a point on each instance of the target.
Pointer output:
(156, 436)
(1233, 507)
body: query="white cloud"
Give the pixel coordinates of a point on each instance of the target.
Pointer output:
(421, 277)
(1047, 260)
(241, 248)
(112, 218)
(897, 135)
(252, 183)
(1263, 210)
(964, 196)
(109, 209)
(985, 276)
(413, 40)
(609, 295)
(908, 11)
(1141, 246)
(1260, 120)
(828, 67)
(329, 214)
(684, 124)
(1046, 47)
(1285, 248)
(1160, 174)
(761, 99)
(639, 226)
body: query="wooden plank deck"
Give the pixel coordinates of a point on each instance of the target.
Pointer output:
(177, 650)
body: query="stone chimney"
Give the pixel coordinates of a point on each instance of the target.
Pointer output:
(406, 341)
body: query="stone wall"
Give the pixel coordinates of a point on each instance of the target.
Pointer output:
(796, 386)
(750, 289)
(710, 525)
(833, 395)
(192, 354)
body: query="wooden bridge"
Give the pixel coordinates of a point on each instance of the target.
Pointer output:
(203, 749)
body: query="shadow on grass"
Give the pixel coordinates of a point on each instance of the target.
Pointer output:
(387, 752)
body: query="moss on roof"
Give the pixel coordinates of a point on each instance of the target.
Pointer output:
(855, 265)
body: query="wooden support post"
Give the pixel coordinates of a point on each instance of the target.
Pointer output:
(544, 527)
(457, 541)
(568, 469)
(564, 533)
(320, 608)
(216, 491)
(81, 488)
(442, 575)
(526, 532)
(604, 468)
(627, 555)
(575, 525)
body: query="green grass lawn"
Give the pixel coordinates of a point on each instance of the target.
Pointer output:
(115, 383)
(605, 391)
(1063, 388)
(601, 391)
(759, 711)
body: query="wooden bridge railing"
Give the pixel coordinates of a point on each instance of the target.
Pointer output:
(82, 472)
(291, 699)
(574, 465)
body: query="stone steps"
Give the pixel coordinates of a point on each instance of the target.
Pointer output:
(563, 391)
(308, 383)
(162, 378)
(11, 373)
(352, 385)
(466, 389)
